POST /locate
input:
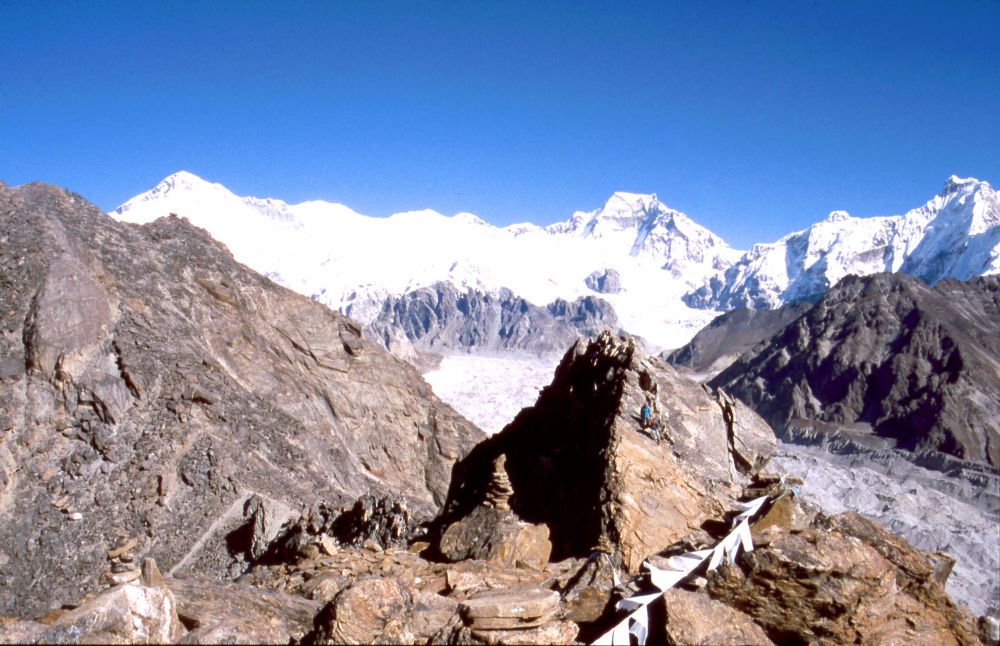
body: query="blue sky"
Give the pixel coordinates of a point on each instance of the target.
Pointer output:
(754, 117)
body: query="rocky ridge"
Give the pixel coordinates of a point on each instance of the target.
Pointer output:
(155, 390)
(440, 318)
(885, 358)
(701, 453)
(729, 335)
(638, 488)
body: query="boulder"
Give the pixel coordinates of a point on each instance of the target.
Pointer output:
(127, 614)
(372, 610)
(496, 535)
(843, 579)
(510, 609)
(695, 618)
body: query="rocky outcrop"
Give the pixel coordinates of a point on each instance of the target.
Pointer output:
(843, 579)
(607, 281)
(729, 335)
(127, 614)
(581, 462)
(153, 389)
(441, 317)
(886, 356)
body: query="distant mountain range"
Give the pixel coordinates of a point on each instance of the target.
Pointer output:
(954, 235)
(661, 274)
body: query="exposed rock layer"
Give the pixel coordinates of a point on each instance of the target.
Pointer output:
(441, 317)
(151, 387)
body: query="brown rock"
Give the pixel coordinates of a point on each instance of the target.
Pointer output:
(695, 618)
(496, 535)
(509, 609)
(369, 611)
(553, 632)
(233, 612)
(842, 580)
(499, 491)
(151, 574)
(190, 386)
(580, 463)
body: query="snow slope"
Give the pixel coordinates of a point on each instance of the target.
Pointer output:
(955, 235)
(352, 262)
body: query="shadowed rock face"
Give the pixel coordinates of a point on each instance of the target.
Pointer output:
(727, 336)
(150, 386)
(580, 462)
(915, 364)
(440, 317)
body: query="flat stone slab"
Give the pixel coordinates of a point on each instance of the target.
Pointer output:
(523, 604)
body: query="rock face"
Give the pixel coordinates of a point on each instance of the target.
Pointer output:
(152, 388)
(721, 342)
(608, 281)
(440, 317)
(843, 579)
(888, 356)
(580, 462)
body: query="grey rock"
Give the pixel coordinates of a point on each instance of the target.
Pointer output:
(729, 335)
(886, 356)
(440, 317)
(604, 282)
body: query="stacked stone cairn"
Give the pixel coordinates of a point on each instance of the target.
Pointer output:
(499, 490)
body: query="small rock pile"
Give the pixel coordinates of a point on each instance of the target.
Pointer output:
(499, 489)
(123, 567)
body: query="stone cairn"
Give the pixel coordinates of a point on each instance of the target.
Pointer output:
(123, 566)
(499, 490)
(125, 569)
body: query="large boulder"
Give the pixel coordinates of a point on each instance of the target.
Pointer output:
(152, 387)
(581, 462)
(126, 614)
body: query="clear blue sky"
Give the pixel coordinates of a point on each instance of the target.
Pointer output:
(754, 117)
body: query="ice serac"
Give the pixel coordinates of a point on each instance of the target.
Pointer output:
(580, 462)
(956, 234)
(152, 387)
(886, 356)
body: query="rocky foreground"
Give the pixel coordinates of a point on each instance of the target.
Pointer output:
(191, 454)
(151, 388)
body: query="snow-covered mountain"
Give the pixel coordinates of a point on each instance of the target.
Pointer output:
(353, 262)
(955, 235)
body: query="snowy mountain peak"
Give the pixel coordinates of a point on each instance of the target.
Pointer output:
(182, 185)
(955, 184)
(956, 234)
